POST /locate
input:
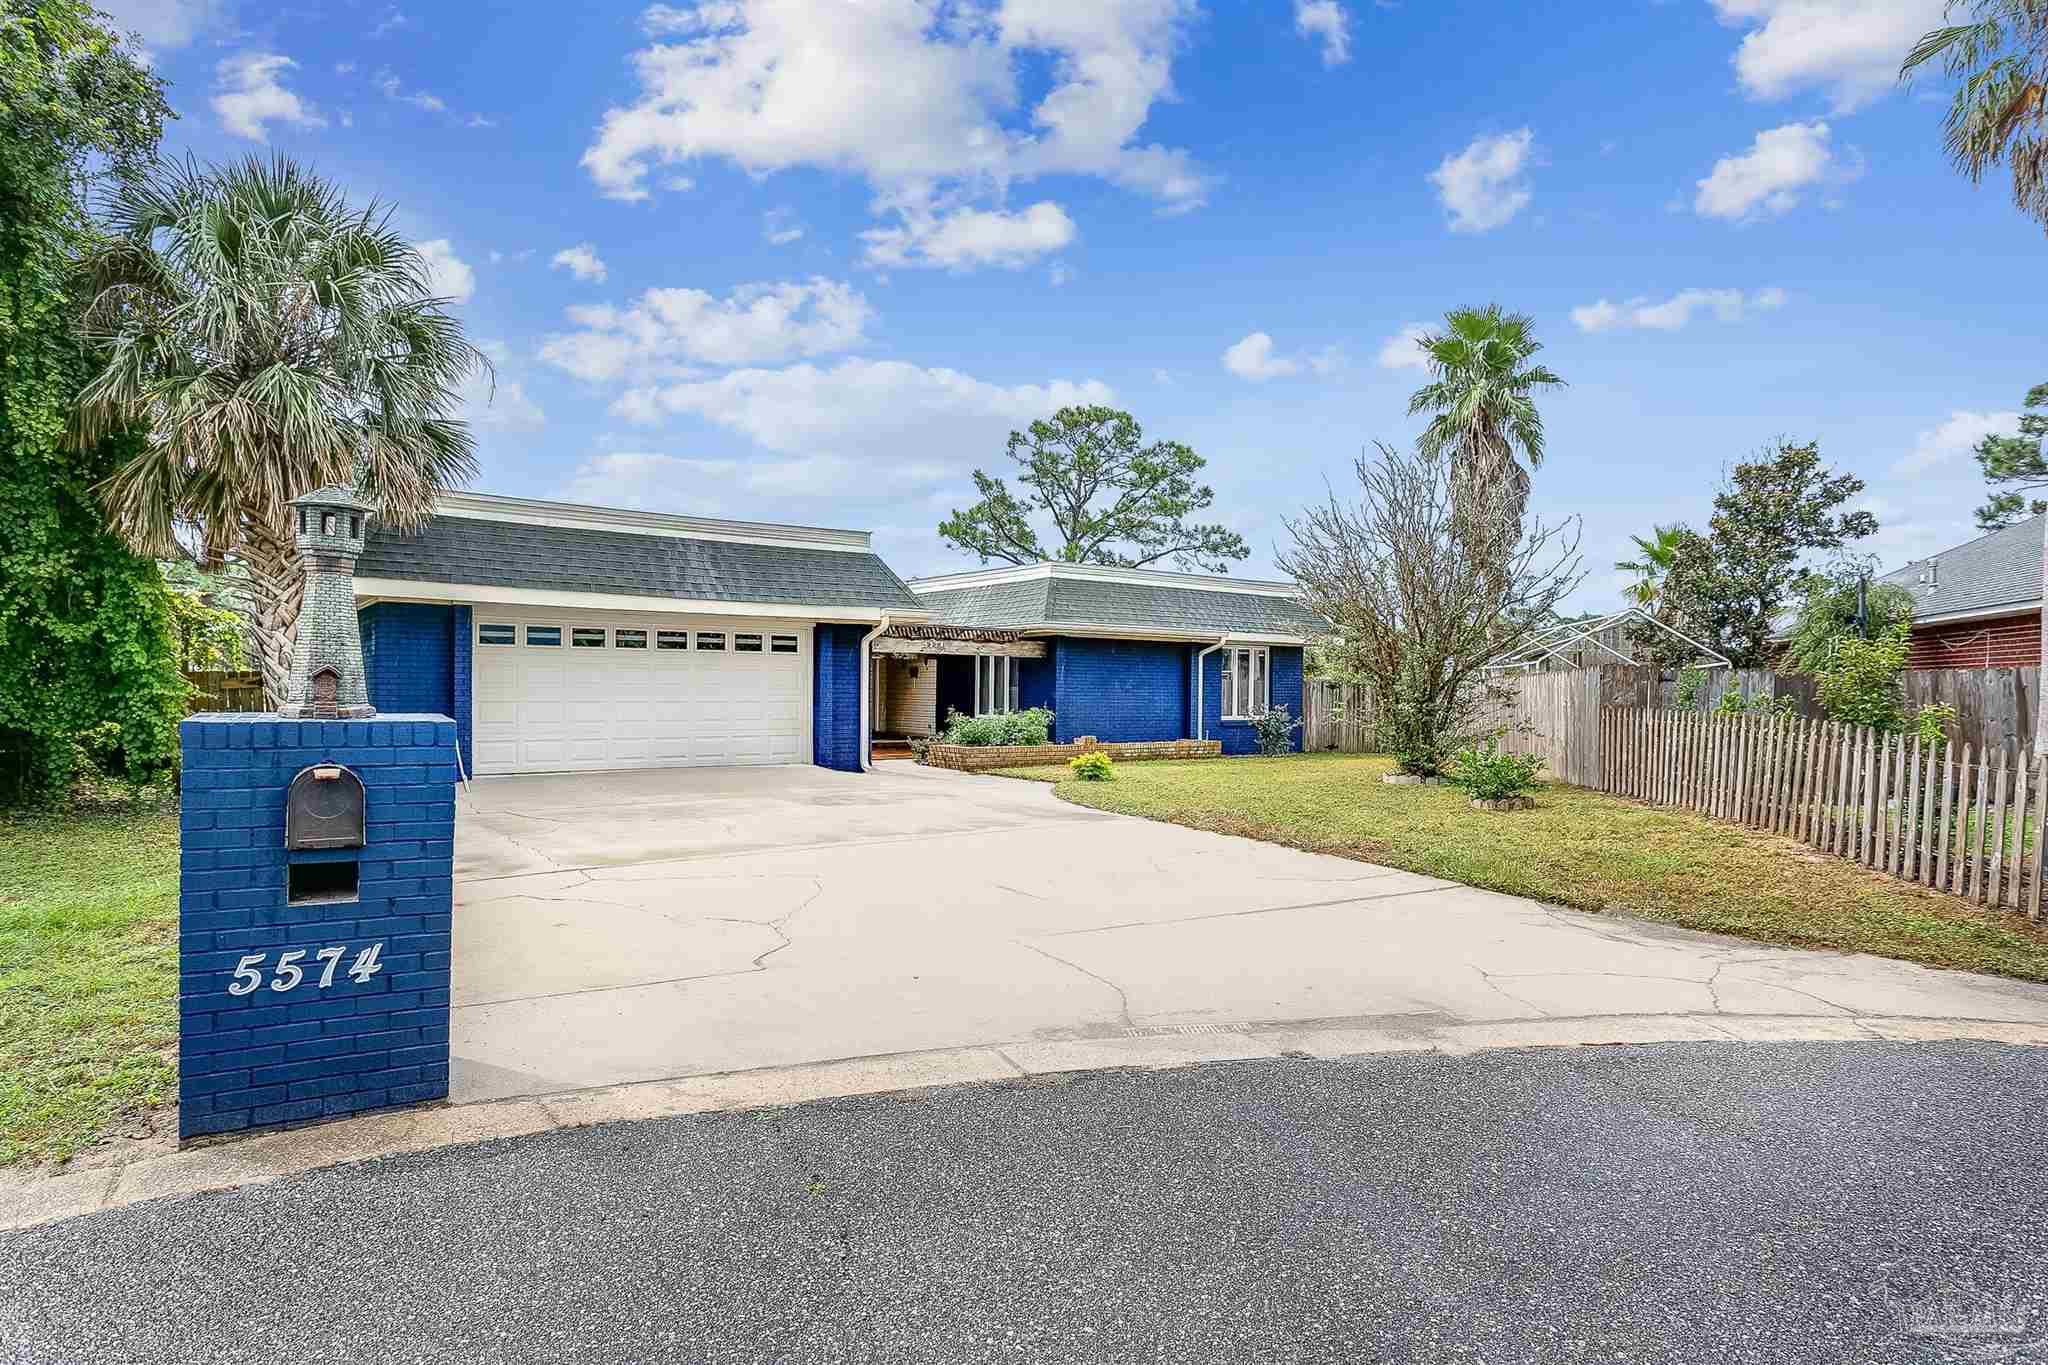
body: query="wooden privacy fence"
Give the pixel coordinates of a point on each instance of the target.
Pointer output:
(1963, 821)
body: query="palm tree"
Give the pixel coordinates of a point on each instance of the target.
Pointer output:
(1482, 406)
(1657, 553)
(2000, 59)
(269, 339)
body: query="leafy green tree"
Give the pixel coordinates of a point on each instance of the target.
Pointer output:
(272, 339)
(2015, 466)
(1112, 498)
(1860, 684)
(1481, 401)
(1827, 612)
(1999, 61)
(206, 619)
(85, 644)
(1733, 584)
(1999, 114)
(1655, 554)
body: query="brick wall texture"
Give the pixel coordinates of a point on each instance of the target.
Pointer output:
(1120, 690)
(835, 698)
(1998, 642)
(312, 1051)
(976, 758)
(418, 659)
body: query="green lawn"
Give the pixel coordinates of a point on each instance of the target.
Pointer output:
(1577, 848)
(88, 977)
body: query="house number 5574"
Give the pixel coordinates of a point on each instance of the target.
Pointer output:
(289, 971)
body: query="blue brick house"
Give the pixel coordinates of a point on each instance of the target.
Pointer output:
(566, 638)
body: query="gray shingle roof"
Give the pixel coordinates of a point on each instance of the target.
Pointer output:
(1995, 570)
(1047, 603)
(574, 559)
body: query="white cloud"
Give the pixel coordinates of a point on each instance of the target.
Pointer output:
(494, 400)
(779, 227)
(1766, 179)
(924, 101)
(163, 25)
(1403, 350)
(651, 479)
(966, 238)
(1326, 22)
(248, 95)
(669, 330)
(877, 411)
(1850, 49)
(1668, 315)
(1058, 273)
(391, 23)
(580, 260)
(418, 99)
(448, 275)
(1954, 440)
(1253, 358)
(1484, 185)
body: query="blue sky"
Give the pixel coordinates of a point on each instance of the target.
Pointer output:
(812, 260)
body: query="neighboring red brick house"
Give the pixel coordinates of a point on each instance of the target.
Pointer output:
(1979, 604)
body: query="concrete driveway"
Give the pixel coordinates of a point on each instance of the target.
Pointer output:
(638, 926)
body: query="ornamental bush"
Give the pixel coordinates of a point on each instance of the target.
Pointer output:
(1860, 684)
(1092, 767)
(1487, 774)
(1275, 729)
(1032, 726)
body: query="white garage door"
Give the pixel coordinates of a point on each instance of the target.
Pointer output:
(602, 690)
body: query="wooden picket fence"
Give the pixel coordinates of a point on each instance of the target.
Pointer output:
(1969, 824)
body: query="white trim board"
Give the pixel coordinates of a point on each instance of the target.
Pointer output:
(540, 512)
(406, 590)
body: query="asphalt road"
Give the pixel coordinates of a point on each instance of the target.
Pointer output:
(1775, 1203)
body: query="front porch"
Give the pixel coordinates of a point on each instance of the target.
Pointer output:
(922, 673)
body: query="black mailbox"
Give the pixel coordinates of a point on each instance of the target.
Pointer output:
(324, 808)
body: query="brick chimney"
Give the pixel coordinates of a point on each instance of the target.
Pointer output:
(327, 657)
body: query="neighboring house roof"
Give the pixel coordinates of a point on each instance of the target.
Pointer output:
(1085, 599)
(1978, 578)
(560, 548)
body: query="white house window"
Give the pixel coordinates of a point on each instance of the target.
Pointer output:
(623, 638)
(782, 644)
(746, 644)
(711, 639)
(995, 684)
(586, 637)
(549, 637)
(1246, 684)
(488, 634)
(671, 639)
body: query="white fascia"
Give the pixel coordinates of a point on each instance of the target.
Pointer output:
(1096, 573)
(1979, 614)
(1091, 631)
(540, 512)
(398, 589)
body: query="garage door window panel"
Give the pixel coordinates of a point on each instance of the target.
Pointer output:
(491, 633)
(629, 639)
(588, 637)
(672, 639)
(711, 641)
(544, 637)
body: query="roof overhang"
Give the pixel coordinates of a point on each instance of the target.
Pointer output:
(489, 594)
(1093, 631)
(1942, 618)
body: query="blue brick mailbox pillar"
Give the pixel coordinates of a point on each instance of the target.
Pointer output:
(312, 983)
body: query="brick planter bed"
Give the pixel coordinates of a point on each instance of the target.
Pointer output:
(975, 758)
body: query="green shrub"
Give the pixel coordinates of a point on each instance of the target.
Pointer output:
(1092, 767)
(1860, 684)
(1014, 727)
(1487, 774)
(1275, 728)
(1733, 703)
(1689, 679)
(1931, 722)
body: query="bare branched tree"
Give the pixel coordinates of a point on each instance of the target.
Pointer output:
(1413, 610)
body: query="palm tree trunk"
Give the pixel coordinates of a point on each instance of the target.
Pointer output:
(277, 586)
